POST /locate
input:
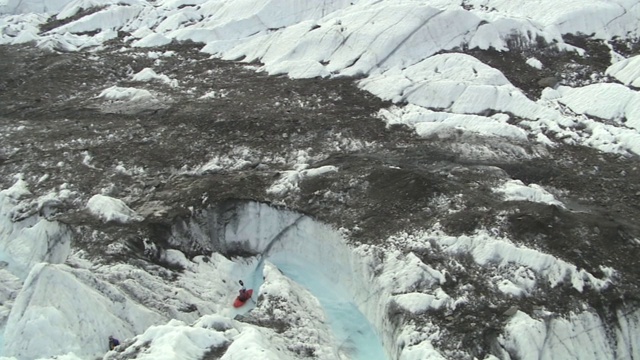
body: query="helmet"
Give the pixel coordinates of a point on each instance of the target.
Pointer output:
(110, 337)
(241, 283)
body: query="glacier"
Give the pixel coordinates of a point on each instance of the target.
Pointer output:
(429, 221)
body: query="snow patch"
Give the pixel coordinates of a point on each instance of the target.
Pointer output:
(109, 209)
(239, 158)
(534, 63)
(419, 303)
(147, 74)
(605, 101)
(125, 94)
(289, 180)
(516, 190)
(428, 123)
(178, 340)
(152, 40)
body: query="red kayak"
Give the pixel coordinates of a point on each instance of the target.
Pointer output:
(239, 302)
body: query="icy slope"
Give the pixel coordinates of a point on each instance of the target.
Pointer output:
(58, 303)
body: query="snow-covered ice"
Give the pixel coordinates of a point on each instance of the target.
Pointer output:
(108, 209)
(627, 71)
(516, 190)
(147, 74)
(119, 93)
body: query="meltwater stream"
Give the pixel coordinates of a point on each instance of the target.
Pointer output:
(315, 256)
(356, 336)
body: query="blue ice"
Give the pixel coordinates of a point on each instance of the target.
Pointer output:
(355, 335)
